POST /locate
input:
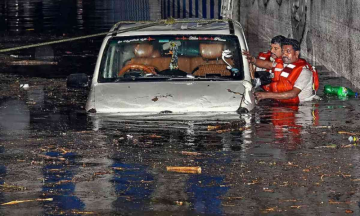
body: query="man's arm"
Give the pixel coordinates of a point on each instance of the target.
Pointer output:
(304, 80)
(278, 95)
(258, 62)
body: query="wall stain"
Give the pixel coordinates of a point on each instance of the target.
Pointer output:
(323, 4)
(309, 41)
(266, 2)
(298, 18)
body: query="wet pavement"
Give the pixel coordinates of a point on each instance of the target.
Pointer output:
(275, 160)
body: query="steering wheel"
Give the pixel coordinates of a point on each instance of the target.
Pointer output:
(145, 68)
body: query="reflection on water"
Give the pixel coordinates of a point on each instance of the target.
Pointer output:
(59, 184)
(2, 175)
(207, 190)
(283, 125)
(133, 186)
(152, 141)
(200, 132)
(136, 179)
(14, 118)
(68, 16)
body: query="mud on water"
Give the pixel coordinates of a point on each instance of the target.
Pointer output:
(277, 160)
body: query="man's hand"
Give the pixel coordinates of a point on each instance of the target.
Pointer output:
(249, 57)
(260, 96)
(252, 70)
(258, 62)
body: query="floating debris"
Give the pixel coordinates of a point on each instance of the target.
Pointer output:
(82, 212)
(253, 182)
(11, 187)
(348, 133)
(235, 198)
(322, 126)
(32, 62)
(51, 158)
(295, 207)
(103, 173)
(268, 190)
(336, 202)
(24, 86)
(353, 139)
(327, 146)
(195, 170)
(190, 153)
(23, 201)
(232, 126)
(179, 203)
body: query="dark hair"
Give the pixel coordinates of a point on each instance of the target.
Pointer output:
(294, 43)
(278, 39)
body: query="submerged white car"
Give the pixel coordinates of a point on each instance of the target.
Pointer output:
(186, 66)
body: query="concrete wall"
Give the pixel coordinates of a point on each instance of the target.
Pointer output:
(329, 30)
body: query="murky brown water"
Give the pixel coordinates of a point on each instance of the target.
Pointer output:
(275, 160)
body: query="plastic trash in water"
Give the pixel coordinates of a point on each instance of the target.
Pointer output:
(353, 139)
(24, 86)
(339, 91)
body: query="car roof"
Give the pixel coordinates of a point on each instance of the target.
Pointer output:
(190, 26)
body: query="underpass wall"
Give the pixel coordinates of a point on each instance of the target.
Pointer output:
(328, 30)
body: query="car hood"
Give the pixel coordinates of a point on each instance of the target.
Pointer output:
(170, 97)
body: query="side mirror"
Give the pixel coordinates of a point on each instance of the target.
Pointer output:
(78, 80)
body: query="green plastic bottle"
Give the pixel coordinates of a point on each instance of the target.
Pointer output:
(339, 91)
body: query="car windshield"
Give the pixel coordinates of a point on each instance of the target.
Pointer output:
(171, 56)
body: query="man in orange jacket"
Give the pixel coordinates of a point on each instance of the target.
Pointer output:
(264, 62)
(296, 80)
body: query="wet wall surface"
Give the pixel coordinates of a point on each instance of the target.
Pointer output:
(328, 30)
(58, 160)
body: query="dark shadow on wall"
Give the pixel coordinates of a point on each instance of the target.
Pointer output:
(266, 2)
(298, 18)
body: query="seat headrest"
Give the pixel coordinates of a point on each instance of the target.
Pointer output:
(143, 50)
(211, 51)
(155, 54)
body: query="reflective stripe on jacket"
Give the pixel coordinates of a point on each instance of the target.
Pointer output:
(266, 56)
(287, 79)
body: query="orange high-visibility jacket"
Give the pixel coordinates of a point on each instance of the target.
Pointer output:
(266, 57)
(276, 71)
(288, 77)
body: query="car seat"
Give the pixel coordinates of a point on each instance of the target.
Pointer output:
(211, 62)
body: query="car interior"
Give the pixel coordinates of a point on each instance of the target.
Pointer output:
(209, 61)
(169, 57)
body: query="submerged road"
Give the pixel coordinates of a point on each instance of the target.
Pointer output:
(57, 160)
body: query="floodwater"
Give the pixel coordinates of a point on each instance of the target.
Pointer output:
(58, 160)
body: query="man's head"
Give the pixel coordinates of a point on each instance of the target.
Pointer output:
(290, 50)
(276, 46)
